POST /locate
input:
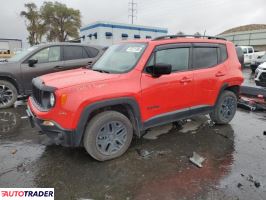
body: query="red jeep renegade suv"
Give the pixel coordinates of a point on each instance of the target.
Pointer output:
(134, 86)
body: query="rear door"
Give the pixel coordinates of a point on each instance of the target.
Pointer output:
(49, 59)
(209, 64)
(78, 56)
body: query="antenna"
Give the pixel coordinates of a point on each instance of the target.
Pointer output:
(132, 8)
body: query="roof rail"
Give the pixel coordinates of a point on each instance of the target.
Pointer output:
(184, 36)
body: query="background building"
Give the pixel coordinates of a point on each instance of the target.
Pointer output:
(108, 33)
(249, 35)
(9, 46)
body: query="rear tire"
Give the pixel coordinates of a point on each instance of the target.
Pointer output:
(108, 135)
(8, 94)
(225, 108)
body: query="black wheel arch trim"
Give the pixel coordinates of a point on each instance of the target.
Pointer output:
(130, 103)
(13, 80)
(224, 86)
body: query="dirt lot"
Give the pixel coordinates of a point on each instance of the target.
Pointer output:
(155, 167)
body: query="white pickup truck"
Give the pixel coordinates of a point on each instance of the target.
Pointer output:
(250, 55)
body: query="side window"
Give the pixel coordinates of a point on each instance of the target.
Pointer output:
(178, 58)
(54, 54)
(74, 53)
(151, 60)
(245, 51)
(92, 52)
(250, 50)
(204, 57)
(224, 54)
(50, 54)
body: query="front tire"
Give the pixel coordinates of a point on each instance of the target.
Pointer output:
(225, 108)
(8, 94)
(108, 135)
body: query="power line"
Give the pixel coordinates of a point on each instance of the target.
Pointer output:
(132, 8)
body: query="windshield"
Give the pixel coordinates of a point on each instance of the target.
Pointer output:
(21, 54)
(120, 58)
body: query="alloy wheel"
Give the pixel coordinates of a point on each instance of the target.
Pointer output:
(111, 137)
(6, 95)
(228, 107)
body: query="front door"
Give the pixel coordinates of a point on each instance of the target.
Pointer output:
(48, 61)
(168, 93)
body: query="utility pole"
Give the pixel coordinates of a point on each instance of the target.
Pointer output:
(132, 8)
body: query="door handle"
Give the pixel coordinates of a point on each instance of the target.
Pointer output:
(219, 74)
(58, 67)
(90, 63)
(185, 80)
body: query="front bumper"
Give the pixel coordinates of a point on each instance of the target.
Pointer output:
(59, 135)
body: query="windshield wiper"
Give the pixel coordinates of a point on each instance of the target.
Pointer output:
(101, 70)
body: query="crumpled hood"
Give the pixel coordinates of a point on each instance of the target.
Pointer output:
(262, 66)
(75, 77)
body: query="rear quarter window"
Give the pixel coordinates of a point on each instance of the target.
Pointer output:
(204, 57)
(223, 53)
(92, 52)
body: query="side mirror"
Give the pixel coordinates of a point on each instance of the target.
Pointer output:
(32, 62)
(159, 69)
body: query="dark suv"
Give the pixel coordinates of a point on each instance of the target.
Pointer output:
(17, 73)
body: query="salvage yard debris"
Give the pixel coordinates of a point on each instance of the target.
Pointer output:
(252, 103)
(143, 153)
(197, 159)
(250, 179)
(14, 151)
(252, 98)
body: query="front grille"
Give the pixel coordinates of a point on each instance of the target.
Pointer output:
(37, 95)
(41, 94)
(263, 77)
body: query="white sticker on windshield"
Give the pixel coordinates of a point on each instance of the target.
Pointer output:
(134, 49)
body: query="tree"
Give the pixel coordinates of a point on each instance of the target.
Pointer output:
(61, 22)
(34, 23)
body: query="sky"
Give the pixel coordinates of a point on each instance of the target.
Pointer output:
(188, 16)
